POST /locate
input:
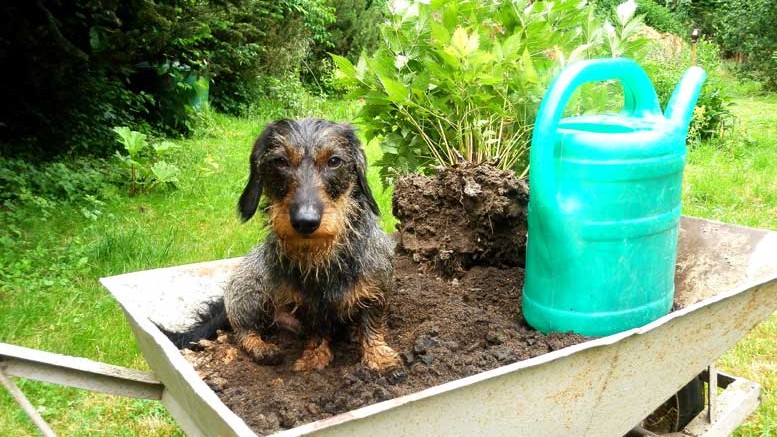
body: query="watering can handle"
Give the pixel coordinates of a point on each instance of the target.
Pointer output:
(639, 99)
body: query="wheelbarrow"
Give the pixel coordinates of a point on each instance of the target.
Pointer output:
(726, 281)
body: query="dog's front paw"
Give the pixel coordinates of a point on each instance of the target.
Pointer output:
(261, 351)
(381, 358)
(316, 356)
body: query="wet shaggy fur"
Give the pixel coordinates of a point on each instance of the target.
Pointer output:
(325, 265)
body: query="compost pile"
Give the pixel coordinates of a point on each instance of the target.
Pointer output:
(444, 329)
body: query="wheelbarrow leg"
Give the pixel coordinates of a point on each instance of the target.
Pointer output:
(26, 405)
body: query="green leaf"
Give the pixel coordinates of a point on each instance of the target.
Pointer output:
(512, 44)
(164, 147)
(396, 91)
(165, 173)
(463, 42)
(344, 66)
(439, 33)
(132, 141)
(528, 67)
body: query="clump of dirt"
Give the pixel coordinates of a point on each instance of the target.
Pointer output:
(444, 329)
(472, 214)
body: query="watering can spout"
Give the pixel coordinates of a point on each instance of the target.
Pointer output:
(679, 110)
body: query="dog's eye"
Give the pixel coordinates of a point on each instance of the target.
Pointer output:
(280, 161)
(334, 162)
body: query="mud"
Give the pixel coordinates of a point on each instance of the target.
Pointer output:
(444, 329)
(461, 217)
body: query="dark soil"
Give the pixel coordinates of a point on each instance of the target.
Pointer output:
(462, 216)
(444, 330)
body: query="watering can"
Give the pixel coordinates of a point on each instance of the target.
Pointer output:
(604, 203)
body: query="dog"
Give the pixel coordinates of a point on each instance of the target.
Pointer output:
(325, 265)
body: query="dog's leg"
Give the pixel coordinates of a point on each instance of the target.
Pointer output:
(250, 309)
(377, 355)
(316, 356)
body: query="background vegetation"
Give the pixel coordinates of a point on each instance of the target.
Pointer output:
(80, 200)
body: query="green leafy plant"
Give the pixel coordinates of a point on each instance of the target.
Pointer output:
(462, 80)
(712, 116)
(656, 15)
(145, 169)
(76, 181)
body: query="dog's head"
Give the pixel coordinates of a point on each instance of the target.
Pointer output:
(312, 172)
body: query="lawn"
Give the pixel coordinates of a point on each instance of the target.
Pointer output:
(52, 257)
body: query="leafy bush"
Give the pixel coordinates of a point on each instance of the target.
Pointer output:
(144, 168)
(355, 29)
(463, 80)
(656, 15)
(744, 30)
(81, 182)
(712, 116)
(74, 69)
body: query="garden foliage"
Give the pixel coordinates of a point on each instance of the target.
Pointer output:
(712, 116)
(655, 13)
(744, 30)
(462, 80)
(74, 69)
(143, 164)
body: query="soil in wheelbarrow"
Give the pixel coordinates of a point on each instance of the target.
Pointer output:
(467, 215)
(444, 329)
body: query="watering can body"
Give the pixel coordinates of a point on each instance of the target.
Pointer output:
(604, 204)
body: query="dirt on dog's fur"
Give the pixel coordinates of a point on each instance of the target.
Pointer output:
(443, 329)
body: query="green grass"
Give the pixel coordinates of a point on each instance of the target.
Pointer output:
(50, 298)
(735, 181)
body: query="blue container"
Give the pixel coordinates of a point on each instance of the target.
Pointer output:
(604, 203)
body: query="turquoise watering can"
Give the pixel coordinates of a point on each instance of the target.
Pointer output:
(604, 203)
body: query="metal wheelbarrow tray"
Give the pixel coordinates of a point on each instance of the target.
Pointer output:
(726, 283)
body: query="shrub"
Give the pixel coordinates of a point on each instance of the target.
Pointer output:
(354, 29)
(744, 30)
(144, 168)
(656, 15)
(463, 80)
(82, 182)
(74, 69)
(712, 116)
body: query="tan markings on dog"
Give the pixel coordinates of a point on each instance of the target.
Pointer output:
(261, 351)
(332, 145)
(377, 354)
(293, 153)
(315, 250)
(316, 356)
(322, 156)
(363, 294)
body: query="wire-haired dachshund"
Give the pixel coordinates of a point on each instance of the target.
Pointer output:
(326, 263)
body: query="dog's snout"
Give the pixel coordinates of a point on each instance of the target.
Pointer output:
(306, 219)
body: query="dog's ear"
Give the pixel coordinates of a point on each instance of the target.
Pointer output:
(249, 200)
(360, 162)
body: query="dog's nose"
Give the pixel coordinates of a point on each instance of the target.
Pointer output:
(306, 220)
